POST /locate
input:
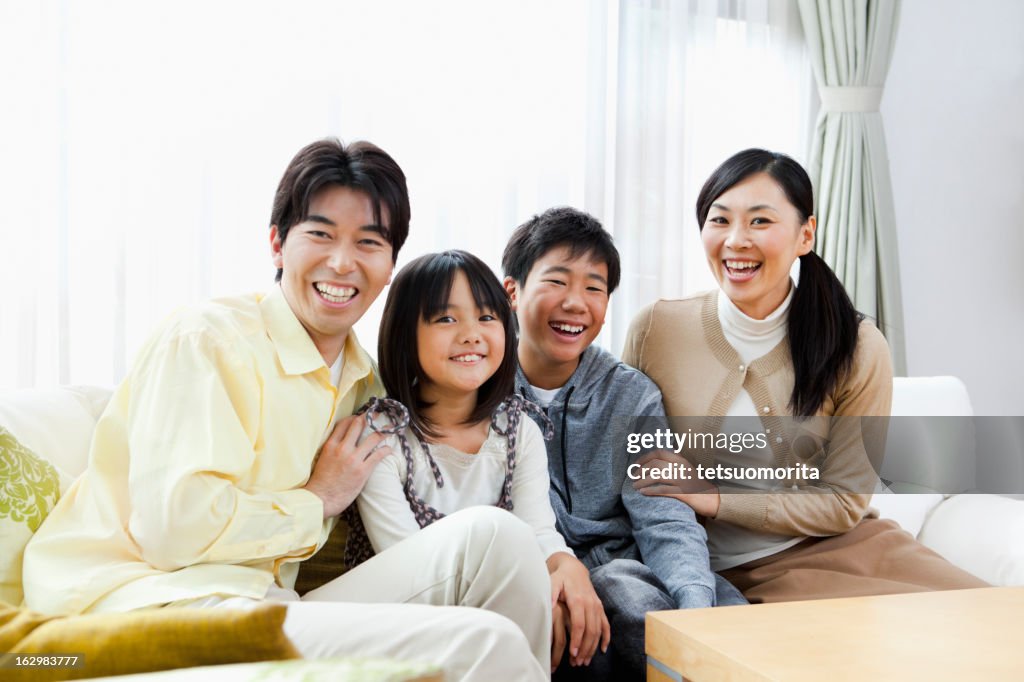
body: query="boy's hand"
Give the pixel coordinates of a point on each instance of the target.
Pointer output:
(559, 626)
(588, 625)
(343, 466)
(701, 495)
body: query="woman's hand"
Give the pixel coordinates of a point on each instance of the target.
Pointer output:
(587, 624)
(671, 481)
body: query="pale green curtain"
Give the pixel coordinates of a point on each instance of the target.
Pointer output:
(851, 43)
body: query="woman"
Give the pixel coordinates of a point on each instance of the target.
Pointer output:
(800, 359)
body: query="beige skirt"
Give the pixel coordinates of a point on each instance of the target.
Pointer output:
(876, 557)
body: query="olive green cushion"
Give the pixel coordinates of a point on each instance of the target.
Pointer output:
(143, 641)
(325, 565)
(29, 488)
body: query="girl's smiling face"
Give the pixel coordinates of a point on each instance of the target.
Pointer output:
(460, 347)
(752, 235)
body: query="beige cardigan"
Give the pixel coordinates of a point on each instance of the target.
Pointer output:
(680, 345)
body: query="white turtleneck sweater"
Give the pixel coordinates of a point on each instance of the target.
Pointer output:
(752, 339)
(732, 545)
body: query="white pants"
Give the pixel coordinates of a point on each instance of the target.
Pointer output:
(470, 593)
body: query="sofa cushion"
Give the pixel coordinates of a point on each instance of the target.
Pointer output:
(143, 641)
(56, 423)
(29, 488)
(327, 564)
(982, 534)
(910, 510)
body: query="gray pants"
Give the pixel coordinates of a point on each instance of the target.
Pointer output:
(629, 589)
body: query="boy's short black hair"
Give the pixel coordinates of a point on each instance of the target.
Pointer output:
(419, 292)
(580, 232)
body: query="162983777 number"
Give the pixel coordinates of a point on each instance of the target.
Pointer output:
(17, 660)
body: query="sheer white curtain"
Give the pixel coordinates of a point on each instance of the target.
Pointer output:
(140, 143)
(690, 82)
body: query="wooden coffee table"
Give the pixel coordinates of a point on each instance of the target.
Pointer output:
(962, 634)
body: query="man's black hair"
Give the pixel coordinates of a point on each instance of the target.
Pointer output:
(361, 166)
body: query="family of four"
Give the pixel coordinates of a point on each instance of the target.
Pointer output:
(493, 527)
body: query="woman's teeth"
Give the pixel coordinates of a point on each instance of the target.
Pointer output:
(742, 266)
(468, 358)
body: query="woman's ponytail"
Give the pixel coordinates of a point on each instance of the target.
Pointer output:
(822, 334)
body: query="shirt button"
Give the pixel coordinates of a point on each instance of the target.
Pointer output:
(766, 409)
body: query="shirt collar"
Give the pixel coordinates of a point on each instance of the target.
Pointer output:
(358, 364)
(296, 350)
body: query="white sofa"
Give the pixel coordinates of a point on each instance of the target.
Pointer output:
(981, 533)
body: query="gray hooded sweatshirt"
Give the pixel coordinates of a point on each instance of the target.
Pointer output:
(598, 512)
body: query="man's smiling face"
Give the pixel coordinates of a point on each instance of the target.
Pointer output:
(334, 265)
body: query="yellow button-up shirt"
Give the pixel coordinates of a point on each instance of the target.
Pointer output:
(195, 474)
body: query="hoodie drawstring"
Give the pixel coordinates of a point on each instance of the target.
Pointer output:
(565, 465)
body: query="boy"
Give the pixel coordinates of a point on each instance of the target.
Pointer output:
(644, 553)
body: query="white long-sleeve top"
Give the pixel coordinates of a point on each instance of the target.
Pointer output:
(469, 480)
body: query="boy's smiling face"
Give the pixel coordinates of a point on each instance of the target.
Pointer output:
(561, 308)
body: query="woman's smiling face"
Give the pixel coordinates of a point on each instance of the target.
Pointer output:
(752, 235)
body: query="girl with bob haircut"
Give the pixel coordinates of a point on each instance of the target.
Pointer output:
(797, 356)
(459, 438)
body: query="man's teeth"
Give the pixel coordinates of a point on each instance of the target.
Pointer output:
(468, 358)
(335, 294)
(741, 264)
(570, 328)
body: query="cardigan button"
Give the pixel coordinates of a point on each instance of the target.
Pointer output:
(742, 367)
(767, 409)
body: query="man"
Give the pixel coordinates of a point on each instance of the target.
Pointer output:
(226, 455)
(643, 553)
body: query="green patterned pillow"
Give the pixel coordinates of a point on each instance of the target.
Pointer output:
(29, 488)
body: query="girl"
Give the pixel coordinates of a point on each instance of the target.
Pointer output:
(762, 346)
(447, 354)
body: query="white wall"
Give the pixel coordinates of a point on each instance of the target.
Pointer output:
(954, 123)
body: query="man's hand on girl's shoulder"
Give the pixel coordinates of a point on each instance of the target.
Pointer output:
(344, 464)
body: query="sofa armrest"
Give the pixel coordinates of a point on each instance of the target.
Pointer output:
(982, 534)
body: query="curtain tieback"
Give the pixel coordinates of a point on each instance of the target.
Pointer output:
(848, 99)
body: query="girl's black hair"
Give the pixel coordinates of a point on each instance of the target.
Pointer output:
(419, 292)
(823, 323)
